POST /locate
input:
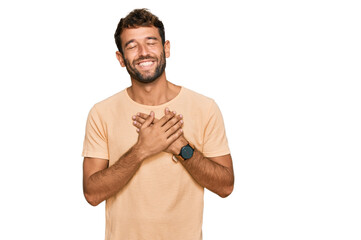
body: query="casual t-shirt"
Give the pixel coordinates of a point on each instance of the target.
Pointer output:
(162, 201)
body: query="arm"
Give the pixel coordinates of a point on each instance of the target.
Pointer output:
(215, 173)
(101, 182)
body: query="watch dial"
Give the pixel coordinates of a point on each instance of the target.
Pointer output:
(187, 152)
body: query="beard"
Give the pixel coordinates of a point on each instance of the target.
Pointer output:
(146, 78)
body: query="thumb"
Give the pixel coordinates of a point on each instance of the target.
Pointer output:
(149, 120)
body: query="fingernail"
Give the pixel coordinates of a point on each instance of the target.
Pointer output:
(167, 109)
(181, 116)
(181, 121)
(133, 117)
(138, 114)
(174, 112)
(134, 122)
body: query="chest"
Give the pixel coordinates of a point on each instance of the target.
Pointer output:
(122, 134)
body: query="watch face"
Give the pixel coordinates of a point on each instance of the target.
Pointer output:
(187, 152)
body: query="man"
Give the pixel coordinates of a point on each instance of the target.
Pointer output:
(149, 163)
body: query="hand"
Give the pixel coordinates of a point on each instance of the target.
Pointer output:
(175, 147)
(157, 135)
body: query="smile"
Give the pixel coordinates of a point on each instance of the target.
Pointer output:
(145, 64)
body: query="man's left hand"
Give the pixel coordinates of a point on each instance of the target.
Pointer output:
(176, 146)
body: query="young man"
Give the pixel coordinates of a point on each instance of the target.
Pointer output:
(149, 163)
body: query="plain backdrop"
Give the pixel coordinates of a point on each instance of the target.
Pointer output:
(285, 74)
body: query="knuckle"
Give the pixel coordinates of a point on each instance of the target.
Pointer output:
(174, 121)
(176, 127)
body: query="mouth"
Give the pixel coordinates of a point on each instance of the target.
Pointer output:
(146, 64)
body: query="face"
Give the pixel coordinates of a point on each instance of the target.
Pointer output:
(144, 54)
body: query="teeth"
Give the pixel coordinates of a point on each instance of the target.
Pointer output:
(143, 64)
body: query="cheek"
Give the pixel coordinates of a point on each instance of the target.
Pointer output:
(130, 57)
(127, 63)
(130, 61)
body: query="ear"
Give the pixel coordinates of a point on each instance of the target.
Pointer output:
(120, 58)
(167, 49)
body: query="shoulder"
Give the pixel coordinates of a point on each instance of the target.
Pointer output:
(104, 108)
(197, 98)
(110, 101)
(199, 105)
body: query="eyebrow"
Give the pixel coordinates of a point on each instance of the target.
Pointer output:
(133, 40)
(152, 38)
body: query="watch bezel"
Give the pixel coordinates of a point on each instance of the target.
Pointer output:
(184, 151)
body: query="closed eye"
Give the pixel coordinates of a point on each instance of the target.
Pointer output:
(131, 46)
(152, 40)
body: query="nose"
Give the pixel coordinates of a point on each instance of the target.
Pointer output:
(143, 50)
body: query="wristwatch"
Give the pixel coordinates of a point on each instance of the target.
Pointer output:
(186, 152)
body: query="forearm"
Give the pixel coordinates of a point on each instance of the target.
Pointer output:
(107, 182)
(209, 174)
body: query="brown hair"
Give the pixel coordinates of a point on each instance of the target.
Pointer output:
(138, 18)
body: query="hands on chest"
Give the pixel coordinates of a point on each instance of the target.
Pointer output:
(157, 135)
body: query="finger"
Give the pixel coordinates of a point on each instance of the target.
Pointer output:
(166, 111)
(137, 124)
(148, 121)
(174, 136)
(165, 118)
(142, 115)
(174, 128)
(172, 122)
(139, 119)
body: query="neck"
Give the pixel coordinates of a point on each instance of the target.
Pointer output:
(155, 93)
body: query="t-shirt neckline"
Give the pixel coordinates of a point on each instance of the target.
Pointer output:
(151, 106)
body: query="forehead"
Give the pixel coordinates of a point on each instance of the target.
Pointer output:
(139, 33)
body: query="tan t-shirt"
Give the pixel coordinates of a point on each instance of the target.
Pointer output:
(162, 201)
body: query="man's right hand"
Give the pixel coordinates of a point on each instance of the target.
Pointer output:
(156, 136)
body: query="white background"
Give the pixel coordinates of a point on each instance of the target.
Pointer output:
(286, 75)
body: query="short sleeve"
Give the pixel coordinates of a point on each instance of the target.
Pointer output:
(215, 139)
(95, 141)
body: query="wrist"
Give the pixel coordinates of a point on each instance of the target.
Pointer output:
(186, 152)
(140, 152)
(178, 147)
